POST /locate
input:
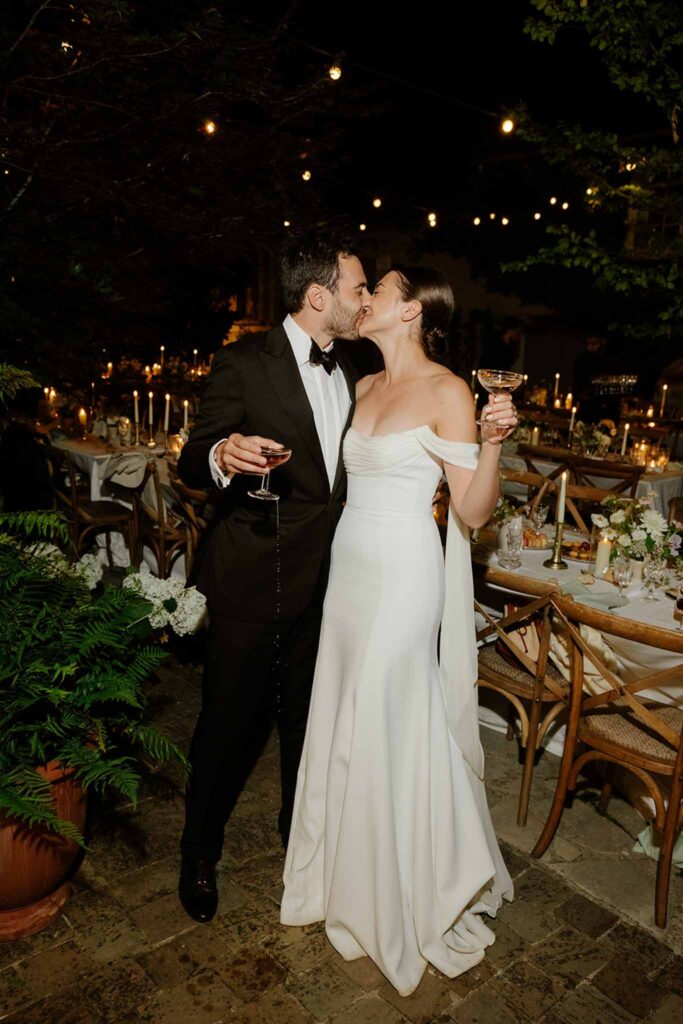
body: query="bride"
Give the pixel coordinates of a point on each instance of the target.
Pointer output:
(392, 843)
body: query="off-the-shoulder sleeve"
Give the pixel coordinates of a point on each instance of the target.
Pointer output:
(458, 649)
(455, 453)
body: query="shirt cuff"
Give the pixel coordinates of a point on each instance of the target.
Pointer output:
(220, 478)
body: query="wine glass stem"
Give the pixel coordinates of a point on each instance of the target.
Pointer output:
(265, 482)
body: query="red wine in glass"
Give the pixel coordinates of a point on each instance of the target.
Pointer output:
(499, 382)
(274, 457)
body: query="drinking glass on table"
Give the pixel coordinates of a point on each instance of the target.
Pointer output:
(622, 572)
(274, 457)
(539, 516)
(653, 575)
(499, 382)
(510, 543)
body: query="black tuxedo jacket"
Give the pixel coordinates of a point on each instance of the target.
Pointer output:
(255, 387)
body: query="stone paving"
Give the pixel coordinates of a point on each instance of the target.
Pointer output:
(578, 944)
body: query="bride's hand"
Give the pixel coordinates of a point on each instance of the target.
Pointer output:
(498, 419)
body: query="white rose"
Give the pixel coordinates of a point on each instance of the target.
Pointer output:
(617, 517)
(623, 540)
(639, 534)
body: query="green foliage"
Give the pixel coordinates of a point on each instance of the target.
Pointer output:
(13, 380)
(72, 672)
(629, 243)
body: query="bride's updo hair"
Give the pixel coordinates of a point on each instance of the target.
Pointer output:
(433, 292)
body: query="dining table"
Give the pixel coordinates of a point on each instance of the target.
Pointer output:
(495, 586)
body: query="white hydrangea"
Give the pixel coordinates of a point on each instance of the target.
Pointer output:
(623, 540)
(90, 569)
(188, 615)
(50, 554)
(617, 517)
(638, 534)
(600, 521)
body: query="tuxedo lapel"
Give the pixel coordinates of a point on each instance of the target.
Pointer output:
(351, 385)
(280, 364)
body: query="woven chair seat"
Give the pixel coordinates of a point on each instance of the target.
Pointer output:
(619, 725)
(493, 664)
(110, 510)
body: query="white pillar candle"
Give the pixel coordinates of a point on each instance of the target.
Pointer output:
(110, 368)
(568, 401)
(650, 412)
(624, 439)
(185, 411)
(167, 412)
(571, 421)
(151, 412)
(561, 498)
(665, 388)
(602, 556)
(136, 409)
(557, 404)
(82, 417)
(535, 435)
(557, 384)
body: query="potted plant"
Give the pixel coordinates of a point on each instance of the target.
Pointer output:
(73, 664)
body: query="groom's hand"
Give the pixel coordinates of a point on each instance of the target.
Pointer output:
(240, 454)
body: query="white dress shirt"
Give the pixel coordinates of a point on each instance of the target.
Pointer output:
(329, 398)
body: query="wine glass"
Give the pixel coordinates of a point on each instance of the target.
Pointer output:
(622, 572)
(511, 540)
(539, 516)
(499, 382)
(653, 574)
(274, 457)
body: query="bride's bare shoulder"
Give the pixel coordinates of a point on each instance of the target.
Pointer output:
(448, 386)
(365, 384)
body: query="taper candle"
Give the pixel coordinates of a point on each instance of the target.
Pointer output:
(167, 412)
(136, 409)
(185, 412)
(561, 498)
(194, 353)
(665, 388)
(474, 375)
(571, 421)
(151, 413)
(624, 439)
(557, 385)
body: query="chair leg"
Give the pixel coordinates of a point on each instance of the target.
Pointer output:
(107, 541)
(529, 759)
(133, 544)
(666, 852)
(606, 791)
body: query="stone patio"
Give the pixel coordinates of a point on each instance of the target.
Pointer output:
(577, 946)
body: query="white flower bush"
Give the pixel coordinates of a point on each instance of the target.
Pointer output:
(181, 608)
(88, 568)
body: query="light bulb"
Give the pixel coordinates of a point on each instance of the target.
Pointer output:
(507, 126)
(377, 203)
(335, 72)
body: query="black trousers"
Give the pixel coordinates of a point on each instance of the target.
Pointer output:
(253, 671)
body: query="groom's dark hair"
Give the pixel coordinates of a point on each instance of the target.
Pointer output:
(311, 259)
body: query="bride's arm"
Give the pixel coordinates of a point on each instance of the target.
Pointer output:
(474, 493)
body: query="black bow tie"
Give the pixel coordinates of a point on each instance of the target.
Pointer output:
(322, 357)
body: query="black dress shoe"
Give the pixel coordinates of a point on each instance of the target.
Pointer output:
(197, 889)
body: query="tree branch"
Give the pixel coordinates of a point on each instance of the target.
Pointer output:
(30, 25)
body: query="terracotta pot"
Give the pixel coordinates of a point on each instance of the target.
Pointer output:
(35, 863)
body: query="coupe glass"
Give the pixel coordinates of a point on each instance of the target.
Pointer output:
(274, 457)
(499, 382)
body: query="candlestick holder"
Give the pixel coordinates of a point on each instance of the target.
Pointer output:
(137, 435)
(166, 448)
(151, 443)
(556, 561)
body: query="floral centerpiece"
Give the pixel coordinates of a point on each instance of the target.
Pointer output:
(638, 531)
(587, 439)
(504, 510)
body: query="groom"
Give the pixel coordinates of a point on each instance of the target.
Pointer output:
(265, 584)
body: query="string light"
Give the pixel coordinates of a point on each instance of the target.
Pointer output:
(537, 216)
(631, 167)
(66, 47)
(335, 72)
(377, 202)
(589, 191)
(507, 126)
(553, 200)
(565, 206)
(363, 227)
(209, 127)
(476, 221)
(504, 221)
(287, 223)
(492, 216)
(431, 217)
(306, 175)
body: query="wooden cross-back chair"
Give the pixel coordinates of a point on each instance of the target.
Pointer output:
(87, 517)
(625, 476)
(621, 727)
(160, 525)
(537, 485)
(517, 667)
(190, 504)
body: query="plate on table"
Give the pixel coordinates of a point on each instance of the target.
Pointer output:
(576, 550)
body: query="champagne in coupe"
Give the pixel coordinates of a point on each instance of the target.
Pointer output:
(499, 382)
(274, 457)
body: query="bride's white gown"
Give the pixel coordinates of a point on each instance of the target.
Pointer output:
(392, 843)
